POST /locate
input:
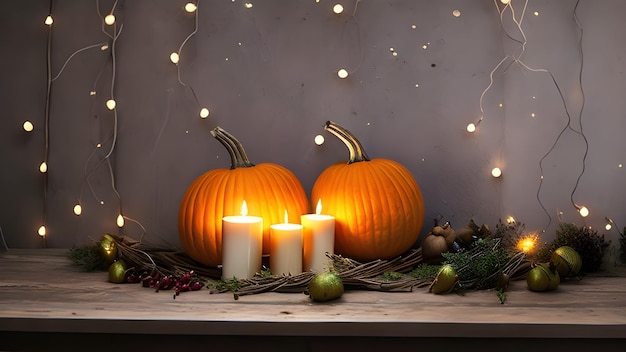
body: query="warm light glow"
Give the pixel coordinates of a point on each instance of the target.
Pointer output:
(174, 58)
(496, 172)
(319, 139)
(109, 19)
(608, 227)
(510, 220)
(583, 211)
(505, 1)
(78, 209)
(527, 244)
(342, 73)
(28, 126)
(42, 230)
(249, 5)
(49, 20)
(244, 208)
(471, 128)
(456, 13)
(338, 8)
(43, 167)
(111, 104)
(286, 217)
(204, 113)
(120, 221)
(190, 7)
(318, 207)
(103, 48)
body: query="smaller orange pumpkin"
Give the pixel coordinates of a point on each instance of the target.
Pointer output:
(377, 204)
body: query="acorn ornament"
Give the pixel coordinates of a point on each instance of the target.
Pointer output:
(117, 272)
(543, 277)
(108, 248)
(567, 261)
(439, 240)
(445, 281)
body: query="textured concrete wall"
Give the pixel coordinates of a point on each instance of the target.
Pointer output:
(268, 75)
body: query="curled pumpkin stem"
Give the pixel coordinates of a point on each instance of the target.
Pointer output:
(357, 153)
(238, 156)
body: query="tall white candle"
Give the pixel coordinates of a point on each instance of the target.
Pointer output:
(242, 245)
(318, 239)
(286, 248)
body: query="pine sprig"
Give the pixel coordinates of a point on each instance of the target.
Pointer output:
(87, 256)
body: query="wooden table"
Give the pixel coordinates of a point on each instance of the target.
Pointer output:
(45, 301)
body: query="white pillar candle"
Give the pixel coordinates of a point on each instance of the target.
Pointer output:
(286, 248)
(318, 239)
(242, 245)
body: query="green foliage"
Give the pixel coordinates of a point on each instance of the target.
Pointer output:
(391, 276)
(425, 271)
(587, 242)
(479, 267)
(88, 257)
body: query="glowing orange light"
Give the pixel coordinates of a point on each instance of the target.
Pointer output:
(527, 244)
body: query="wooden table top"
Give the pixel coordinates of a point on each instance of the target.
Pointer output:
(41, 291)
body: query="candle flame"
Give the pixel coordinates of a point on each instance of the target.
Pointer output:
(318, 208)
(244, 208)
(286, 217)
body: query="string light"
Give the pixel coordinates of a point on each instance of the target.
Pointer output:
(174, 58)
(49, 20)
(43, 167)
(120, 221)
(109, 19)
(78, 209)
(582, 210)
(496, 172)
(111, 104)
(42, 231)
(28, 126)
(609, 225)
(456, 13)
(471, 127)
(190, 7)
(249, 5)
(338, 8)
(204, 113)
(319, 139)
(342, 73)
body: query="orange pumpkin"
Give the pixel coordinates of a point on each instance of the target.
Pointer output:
(268, 189)
(377, 204)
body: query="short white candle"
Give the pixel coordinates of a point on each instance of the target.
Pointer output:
(286, 248)
(318, 239)
(242, 245)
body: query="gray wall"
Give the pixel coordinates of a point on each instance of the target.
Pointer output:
(268, 75)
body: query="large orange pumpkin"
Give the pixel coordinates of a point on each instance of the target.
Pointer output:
(377, 204)
(268, 189)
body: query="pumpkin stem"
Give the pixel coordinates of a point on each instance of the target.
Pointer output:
(238, 156)
(357, 153)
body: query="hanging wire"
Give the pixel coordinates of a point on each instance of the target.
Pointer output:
(518, 61)
(4, 243)
(582, 106)
(180, 49)
(47, 127)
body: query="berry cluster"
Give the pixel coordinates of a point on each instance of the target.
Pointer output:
(189, 281)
